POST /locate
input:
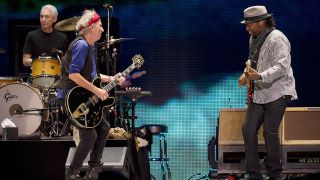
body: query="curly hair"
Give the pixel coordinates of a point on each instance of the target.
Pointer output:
(270, 22)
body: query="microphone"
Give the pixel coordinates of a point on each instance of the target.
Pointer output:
(107, 6)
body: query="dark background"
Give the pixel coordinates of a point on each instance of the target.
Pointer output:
(194, 52)
(180, 40)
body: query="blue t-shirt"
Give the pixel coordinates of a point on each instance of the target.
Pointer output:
(79, 55)
(80, 50)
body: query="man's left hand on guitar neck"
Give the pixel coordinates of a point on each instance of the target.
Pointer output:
(107, 79)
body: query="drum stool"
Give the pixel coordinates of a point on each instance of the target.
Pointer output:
(159, 130)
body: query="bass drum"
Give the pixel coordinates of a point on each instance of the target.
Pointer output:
(23, 105)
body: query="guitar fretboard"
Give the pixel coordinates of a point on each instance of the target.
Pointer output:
(113, 83)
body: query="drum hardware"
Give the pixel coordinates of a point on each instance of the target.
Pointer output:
(54, 127)
(17, 109)
(58, 53)
(56, 124)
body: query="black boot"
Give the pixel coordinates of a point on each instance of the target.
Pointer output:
(73, 174)
(93, 172)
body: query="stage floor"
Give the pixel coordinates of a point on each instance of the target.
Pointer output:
(39, 158)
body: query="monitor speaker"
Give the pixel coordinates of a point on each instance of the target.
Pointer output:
(113, 158)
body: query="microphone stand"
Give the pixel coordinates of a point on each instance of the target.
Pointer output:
(108, 43)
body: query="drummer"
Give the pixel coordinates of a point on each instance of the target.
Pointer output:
(45, 40)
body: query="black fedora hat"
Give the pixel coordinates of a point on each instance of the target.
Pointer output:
(255, 13)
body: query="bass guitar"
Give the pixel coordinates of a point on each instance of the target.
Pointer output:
(86, 109)
(249, 84)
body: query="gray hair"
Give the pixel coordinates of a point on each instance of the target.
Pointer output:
(53, 10)
(82, 25)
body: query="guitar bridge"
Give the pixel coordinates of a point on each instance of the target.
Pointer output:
(82, 110)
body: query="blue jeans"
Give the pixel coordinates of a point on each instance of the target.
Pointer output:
(269, 115)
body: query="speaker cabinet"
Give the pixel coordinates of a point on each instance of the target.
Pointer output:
(301, 158)
(299, 134)
(113, 158)
(231, 121)
(301, 126)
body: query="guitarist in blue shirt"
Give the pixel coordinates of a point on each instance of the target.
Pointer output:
(79, 69)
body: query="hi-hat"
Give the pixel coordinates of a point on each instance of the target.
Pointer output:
(2, 50)
(113, 41)
(67, 24)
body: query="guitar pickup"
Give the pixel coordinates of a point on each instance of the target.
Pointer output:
(82, 110)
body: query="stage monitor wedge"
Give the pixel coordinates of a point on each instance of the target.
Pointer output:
(113, 158)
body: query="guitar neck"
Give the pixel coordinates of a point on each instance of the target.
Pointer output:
(113, 83)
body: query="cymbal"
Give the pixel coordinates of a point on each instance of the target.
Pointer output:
(67, 24)
(114, 41)
(2, 50)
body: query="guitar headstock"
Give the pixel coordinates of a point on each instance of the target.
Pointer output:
(137, 60)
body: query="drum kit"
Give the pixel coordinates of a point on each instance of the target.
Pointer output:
(33, 105)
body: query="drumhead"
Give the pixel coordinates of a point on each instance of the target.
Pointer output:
(23, 105)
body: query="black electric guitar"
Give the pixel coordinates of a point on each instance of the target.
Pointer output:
(85, 108)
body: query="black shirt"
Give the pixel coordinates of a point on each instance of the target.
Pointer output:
(38, 42)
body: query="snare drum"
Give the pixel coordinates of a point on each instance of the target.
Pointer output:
(9, 80)
(45, 71)
(23, 105)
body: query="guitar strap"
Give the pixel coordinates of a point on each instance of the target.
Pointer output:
(255, 46)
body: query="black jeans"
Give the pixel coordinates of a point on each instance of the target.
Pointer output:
(92, 139)
(270, 115)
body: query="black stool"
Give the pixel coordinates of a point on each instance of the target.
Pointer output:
(159, 130)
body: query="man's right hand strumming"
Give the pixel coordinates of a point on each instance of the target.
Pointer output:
(242, 80)
(101, 93)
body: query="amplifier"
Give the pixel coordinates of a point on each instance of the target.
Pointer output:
(230, 127)
(301, 125)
